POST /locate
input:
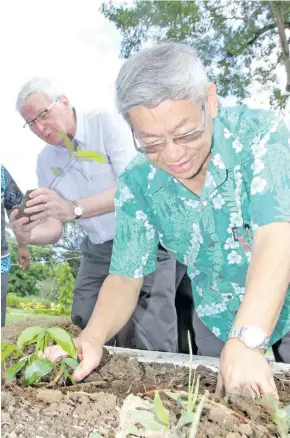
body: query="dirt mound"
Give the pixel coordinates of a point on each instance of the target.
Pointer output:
(96, 405)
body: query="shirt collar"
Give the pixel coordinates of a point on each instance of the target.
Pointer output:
(80, 135)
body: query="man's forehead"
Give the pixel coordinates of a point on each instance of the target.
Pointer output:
(37, 101)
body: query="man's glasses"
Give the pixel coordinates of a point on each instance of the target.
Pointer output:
(43, 115)
(182, 140)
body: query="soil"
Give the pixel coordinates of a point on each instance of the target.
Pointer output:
(102, 404)
(22, 206)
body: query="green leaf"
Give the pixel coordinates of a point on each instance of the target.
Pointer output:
(147, 420)
(71, 363)
(40, 346)
(91, 155)
(3, 345)
(17, 354)
(64, 339)
(7, 352)
(67, 141)
(287, 410)
(14, 369)
(57, 171)
(38, 368)
(186, 418)
(27, 336)
(132, 430)
(160, 410)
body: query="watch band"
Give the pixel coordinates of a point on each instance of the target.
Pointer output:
(242, 333)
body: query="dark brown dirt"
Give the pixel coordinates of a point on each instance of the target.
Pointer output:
(22, 206)
(93, 406)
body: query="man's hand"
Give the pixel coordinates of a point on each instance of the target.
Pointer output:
(245, 368)
(46, 203)
(23, 257)
(89, 350)
(21, 228)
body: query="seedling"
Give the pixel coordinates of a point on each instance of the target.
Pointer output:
(280, 417)
(191, 404)
(32, 365)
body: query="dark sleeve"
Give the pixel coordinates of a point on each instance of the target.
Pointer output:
(13, 195)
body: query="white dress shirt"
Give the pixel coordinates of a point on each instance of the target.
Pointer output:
(99, 132)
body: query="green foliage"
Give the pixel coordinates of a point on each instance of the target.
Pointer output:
(280, 417)
(26, 283)
(38, 368)
(190, 403)
(64, 285)
(238, 41)
(12, 300)
(34, 367)
(91, 155)
(160, 410)
(64, 339)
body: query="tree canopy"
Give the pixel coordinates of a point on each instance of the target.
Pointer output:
(240, 42)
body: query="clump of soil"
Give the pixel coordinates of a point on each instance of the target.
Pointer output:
(22, 206)
(107, 396)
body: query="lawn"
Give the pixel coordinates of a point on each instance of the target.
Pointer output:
(14, 315)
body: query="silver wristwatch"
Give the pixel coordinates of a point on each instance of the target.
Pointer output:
(253, 337)
(78, 211)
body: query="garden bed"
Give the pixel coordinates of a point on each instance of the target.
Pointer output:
(102, 405)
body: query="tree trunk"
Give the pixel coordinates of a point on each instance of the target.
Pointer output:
(283, 40)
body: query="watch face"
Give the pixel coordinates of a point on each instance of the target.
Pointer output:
(253, 337)
(78, 211)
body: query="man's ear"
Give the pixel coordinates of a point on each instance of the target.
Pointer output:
(212, 100)
(64, 100)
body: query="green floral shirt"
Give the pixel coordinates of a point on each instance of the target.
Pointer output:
(247, 186)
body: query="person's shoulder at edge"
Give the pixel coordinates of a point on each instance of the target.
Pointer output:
(135, 175)
(241, 117)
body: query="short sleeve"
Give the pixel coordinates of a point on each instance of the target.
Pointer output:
(13, 195)
(118, 141)
(268, 176)
(136, 239)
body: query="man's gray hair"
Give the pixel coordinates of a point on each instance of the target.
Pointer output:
(38, 85)
(167, 71)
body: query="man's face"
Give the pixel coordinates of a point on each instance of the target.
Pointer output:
(183, 155)
(46, 118)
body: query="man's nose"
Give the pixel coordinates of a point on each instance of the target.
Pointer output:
(173, 152)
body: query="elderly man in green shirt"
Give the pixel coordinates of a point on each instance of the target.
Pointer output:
(213, 187)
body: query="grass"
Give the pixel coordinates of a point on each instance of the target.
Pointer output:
(14, 315)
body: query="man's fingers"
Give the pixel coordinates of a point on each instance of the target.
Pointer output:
(53, 353)
(90, 360)
(13, 214)
(41, 199)
(35, 209)
(220, 390)
(40, 216)
(39, 192)
(268, 386)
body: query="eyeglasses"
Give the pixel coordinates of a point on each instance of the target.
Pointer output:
(43, 115)
(182, 140)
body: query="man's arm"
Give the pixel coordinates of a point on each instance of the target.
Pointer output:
(266, 287)
(116, 302)
(268, 273)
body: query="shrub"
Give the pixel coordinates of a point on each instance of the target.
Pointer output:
(12, 300)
